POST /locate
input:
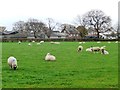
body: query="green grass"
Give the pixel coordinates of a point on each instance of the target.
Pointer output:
(70, 70)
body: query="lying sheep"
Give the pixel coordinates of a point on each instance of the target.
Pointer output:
(89, 49)
(12, 62)
(98, 42)
(50, 57)
(109, 42)
(29, 44)
(54, 42)
(80, 48)
(33, 41)
(41, 42)
(116, 41)
(81, 42)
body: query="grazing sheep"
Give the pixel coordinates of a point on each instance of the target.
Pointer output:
(50, 57)
(103, 51)
(80, 48)
(12, 62)
(19, 42)
(95, 49)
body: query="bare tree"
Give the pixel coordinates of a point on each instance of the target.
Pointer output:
(98, 20)
(51, 24)
(35, 26)
(79, 21)
(19, 27)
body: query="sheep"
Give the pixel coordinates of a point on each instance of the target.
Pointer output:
(12, 62)
(109, 42)
(95, 49)
(41, 42)
(50, 57)
(54, 42)
(80, 42)
(98, 42)
(80, 48)
(116, 42)
(89, 49)
(103, 51)
(29, 44)
(19, 42)
(33, 41)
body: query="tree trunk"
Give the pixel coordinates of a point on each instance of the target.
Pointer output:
(98, 33)
(35, 35)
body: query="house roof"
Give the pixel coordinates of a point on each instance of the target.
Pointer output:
(9, 32)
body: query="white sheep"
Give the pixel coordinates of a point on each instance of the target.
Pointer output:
(41, 42)
(109, 42)
(80, 42)
(89, 49)
(80, 48)
(29, 44)
(103, 51)
(50, 57)
(33, 41)
(95, 49)
(116, 42)
(54, 42)
(98, 42)
(12, 62)
(19, 42)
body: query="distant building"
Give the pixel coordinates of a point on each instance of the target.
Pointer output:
(2, 28)
(58, 34)
(70, 30)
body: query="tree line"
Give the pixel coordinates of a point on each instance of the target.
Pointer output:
(94, 20)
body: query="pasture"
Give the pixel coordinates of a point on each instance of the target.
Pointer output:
(70, 70)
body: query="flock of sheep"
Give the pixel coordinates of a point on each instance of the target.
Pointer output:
(12, 61)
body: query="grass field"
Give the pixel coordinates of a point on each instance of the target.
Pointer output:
(70, 70)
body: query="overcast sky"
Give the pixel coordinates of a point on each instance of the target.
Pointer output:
(63, 11)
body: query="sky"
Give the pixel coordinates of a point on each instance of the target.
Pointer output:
(62, 11)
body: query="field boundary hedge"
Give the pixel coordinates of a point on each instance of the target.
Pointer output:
(37, 40)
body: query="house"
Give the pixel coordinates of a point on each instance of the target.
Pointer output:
(2, 28)
(58, 34)
(70, 30)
